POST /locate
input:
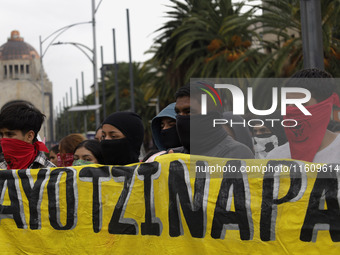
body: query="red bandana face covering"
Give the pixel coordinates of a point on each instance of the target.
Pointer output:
(64, 159)
(20, 154)
(305, 138)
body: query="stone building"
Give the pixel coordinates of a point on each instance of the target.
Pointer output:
(20, 78)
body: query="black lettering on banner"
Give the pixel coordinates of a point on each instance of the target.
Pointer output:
(180, 194)
(270, 192)
(148, 173)
(71, 198)
(234, 184)
(9, 180)
(96, 175)
(118, 224)
(325, 189)
(34, 193)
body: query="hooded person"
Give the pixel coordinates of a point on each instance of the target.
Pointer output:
(164, 132)
(163, 128)
(122, 138)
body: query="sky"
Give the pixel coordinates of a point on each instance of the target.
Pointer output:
(64, 63)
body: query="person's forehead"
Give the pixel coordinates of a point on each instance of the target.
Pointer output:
(5, 130)
(167, 119)
(83, 151)
(182, 102)
(109, 128)
(258, 127)
(295, 95)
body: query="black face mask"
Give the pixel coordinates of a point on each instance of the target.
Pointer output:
(169, 138)
(204, 136)
(118, 152)
(183, 130)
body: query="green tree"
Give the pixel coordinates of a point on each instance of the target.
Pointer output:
(281, 26)
(201, 39)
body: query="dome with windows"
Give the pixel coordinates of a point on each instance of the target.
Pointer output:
(15, 48)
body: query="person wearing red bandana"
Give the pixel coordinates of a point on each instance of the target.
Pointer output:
(310, 140)
(20, 123)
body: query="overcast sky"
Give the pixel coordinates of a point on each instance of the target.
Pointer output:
(64, 63)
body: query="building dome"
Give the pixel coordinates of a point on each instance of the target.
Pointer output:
(16, 49)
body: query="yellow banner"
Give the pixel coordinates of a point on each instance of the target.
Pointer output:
(179, 204)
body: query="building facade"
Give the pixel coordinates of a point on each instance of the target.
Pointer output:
(20, 78)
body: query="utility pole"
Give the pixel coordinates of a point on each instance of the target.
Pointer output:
(311, 29)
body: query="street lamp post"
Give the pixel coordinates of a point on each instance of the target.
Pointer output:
(132, 93)
(55, 35)
(82, 48)
(311, 29)
(94, 51)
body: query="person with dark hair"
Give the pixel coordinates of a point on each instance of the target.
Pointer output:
(98, 135)
(20, 123)
(310, 140)
(88, 152)
(196, 131)
(122, 138)
(53, 157)
(67, 146)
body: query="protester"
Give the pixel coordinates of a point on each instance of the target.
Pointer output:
(163, 128)
(88, 152)
(54, 154)
(205, 139)
(122, 138)
(98, 135)
(20, 123)
(67, 146)
(238, 130)
(164, 132)
(267, 134)
(310, 140)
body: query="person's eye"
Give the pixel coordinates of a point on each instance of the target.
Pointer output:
(88, 159)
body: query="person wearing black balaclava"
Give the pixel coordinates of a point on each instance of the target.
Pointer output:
(122, 138)
(196, 132)
(237, 130)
